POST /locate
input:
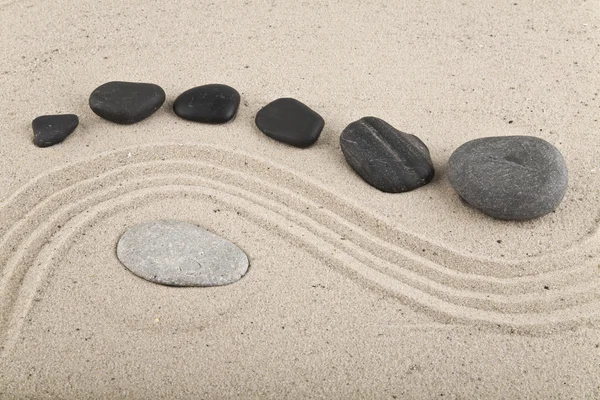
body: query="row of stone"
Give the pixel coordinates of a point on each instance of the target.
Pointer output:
(286, 120)
(510, 177)
(131, 102)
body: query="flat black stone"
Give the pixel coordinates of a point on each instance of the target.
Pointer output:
(290, 121)
(126, 102)
(387, 159)
(509, 177)
(49, 130)
(213, 104)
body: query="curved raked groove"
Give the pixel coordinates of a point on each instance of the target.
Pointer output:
(164, 181)
(514, 297)
(393, 253)
(29, 195)
(78, 222)
(437, 293)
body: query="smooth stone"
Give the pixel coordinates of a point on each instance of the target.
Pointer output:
(213, 104)
(509, 177)
(386, 158)
(290, 121)
(126, 102)
(176, 253)
(49, 130)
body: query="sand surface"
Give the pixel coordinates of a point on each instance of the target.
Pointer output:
(351, 293)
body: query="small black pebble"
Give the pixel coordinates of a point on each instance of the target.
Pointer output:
(126, 102)
(212, 104)
(290, 121)
(49, 130)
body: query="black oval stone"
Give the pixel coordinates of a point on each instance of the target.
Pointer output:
(213, 104)
(126, 102)
(290, 121)
(49, 130)
(387, 159)
(509, 177)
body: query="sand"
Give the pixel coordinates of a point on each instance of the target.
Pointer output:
(351, 293)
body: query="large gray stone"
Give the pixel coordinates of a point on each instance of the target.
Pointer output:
(509, 177)
(176, 253)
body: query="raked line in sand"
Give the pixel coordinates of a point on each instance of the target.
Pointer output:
(44, 217)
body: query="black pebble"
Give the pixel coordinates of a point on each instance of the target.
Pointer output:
(213, 104)
(290, 121)
(49, 130)
(126, 102)
(389, 160)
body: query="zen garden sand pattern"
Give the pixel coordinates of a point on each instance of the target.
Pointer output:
(309, 200)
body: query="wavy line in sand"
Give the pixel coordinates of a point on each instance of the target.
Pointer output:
(456, 261)
(507, 296)
(59, 246)
(148, 168)
(398, 255)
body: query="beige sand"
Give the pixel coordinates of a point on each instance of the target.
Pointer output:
(352, 293)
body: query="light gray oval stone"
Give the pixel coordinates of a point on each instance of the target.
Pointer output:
(509, 177)
(176, 253)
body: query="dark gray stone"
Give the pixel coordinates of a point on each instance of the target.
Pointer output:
(49, 130)
(126, 102)
(509, 177)
(389, 160)
(176, 253)
(212, 104)
(290, 121)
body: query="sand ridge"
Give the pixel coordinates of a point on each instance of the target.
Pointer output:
(402, 270)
